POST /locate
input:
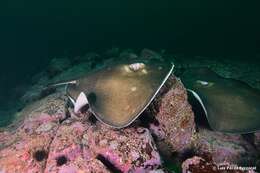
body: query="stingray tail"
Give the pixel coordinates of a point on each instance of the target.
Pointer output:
(62, 83)
(55, 85)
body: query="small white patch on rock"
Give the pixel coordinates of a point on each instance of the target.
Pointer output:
(45, 127)
(135, 155)
(113, 145)
(103, 142)
(85, 139)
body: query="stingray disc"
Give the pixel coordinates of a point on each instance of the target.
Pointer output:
(119, 93)
(230, 105)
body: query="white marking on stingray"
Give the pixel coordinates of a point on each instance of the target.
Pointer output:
(199, 99)
(144, 71)
(137, 66)
(80, 102)
(127, 69)
(202, 82)
(133, 88)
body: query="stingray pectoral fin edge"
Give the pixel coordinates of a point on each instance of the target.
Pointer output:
(197, 97)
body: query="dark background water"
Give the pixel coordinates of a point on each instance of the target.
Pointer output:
(31, 32)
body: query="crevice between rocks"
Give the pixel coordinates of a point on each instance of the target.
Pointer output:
(67, 116)
(49, 145)
(112, 168)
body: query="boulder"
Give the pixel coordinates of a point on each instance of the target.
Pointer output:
(201, 165)
(225, 147)
(174, 120)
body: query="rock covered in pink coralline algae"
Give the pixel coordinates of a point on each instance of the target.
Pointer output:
(46, 140)
(67, 153)
(24, 148)
(225, 147)
(52, 105)
(197, 164)
(129, 150)
(174, 124)
(200, 165)
(25, 154)
(83, 147)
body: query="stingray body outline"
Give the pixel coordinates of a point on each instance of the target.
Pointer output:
(143, 77)
(230, 106)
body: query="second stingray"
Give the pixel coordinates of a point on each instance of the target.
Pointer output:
(230, 105)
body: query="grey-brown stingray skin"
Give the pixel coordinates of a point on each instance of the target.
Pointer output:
(117, 95)
(231, 106)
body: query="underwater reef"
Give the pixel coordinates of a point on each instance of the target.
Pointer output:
(46, 136)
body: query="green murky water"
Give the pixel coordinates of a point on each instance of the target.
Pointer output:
(33, 32)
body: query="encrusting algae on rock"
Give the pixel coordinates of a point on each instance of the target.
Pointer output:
(76, 146)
